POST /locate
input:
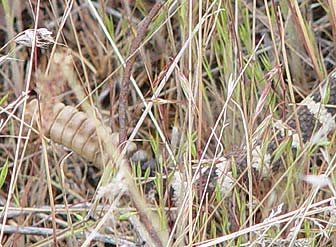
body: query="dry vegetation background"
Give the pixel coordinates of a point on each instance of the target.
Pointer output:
(217, 75)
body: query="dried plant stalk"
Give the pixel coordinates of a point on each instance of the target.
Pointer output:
(73, 129)
(83, 133)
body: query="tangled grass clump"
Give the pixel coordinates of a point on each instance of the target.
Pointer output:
(199, 87)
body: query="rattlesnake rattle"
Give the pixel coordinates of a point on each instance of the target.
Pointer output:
(73, 129)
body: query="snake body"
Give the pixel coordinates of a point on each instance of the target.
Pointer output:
(315, 117)
(315, 121)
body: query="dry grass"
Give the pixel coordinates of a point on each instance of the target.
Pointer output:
(208, 79)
